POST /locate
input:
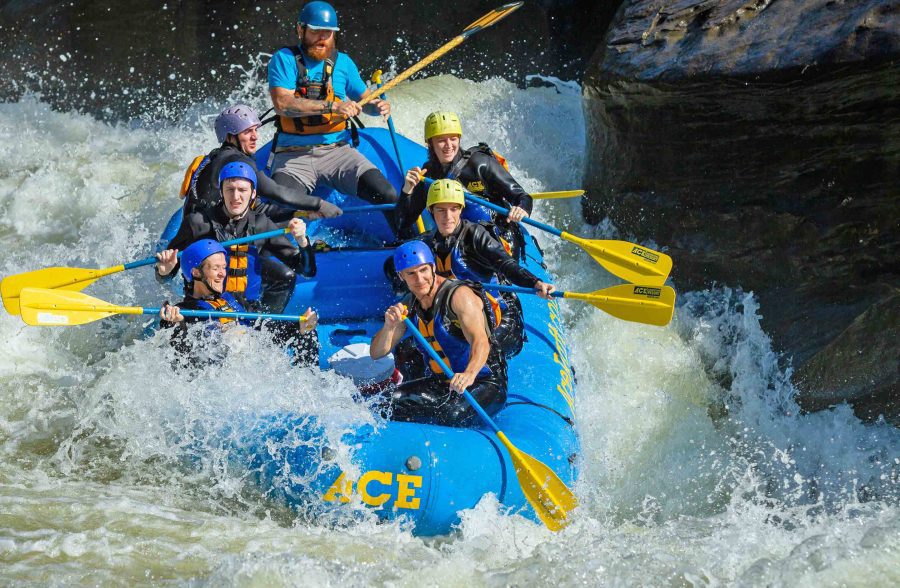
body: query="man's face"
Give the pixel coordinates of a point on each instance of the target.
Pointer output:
(445, 147)
(419, 279)
(318, 44)
(446, 217)
(247, 140)
(237, 193)
(214, 271)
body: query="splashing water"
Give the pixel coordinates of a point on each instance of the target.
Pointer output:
(698, 468)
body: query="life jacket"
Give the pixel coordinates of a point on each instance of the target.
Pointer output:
(244, 275)
(475, 186)
(472, 182)
(189, 184)
(317, 124)
(244, 269)
(441, 328)
(453, 265)
(224, 303)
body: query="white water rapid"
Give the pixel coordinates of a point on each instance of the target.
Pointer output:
(697, 467)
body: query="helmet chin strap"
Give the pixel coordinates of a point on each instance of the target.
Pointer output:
(433, 280)
(210, 288)
(202, 280)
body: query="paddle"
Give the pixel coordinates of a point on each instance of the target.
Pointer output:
(546, 493)
(479, 25)
(351, 210)
(625, 260)
(376, 78)
(75, 279)
(62, 308)
(556, 195)
(650, 305)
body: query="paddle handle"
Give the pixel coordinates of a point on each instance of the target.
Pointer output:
(449, 373)
(528, 221)
(518, 289)
(221, 314)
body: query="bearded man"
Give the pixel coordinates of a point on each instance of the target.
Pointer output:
(314, 90)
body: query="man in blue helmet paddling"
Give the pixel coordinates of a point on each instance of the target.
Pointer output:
(204, 265)
(458, 321)
(255, 286)
(314, 89)
(236, 129)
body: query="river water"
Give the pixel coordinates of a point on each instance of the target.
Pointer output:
(697, 468)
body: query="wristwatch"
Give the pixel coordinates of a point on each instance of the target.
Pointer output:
(328, 108)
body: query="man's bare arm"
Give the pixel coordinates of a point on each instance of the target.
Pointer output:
(286, 104)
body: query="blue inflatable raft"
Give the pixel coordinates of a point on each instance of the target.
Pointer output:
(425, 474)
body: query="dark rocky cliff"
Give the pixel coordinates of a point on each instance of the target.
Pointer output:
(760, 143)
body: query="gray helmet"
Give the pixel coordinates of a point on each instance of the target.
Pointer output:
(235, 119)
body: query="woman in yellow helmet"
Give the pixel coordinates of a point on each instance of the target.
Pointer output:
(478, 169)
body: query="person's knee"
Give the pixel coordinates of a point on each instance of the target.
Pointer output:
(374, 187)
(275, 271)
(286, 180)
(510, 334)
(491, 396)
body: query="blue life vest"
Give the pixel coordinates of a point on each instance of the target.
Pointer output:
(223, 303)
(441, 329)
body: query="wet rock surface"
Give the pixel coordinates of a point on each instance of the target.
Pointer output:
(860, 365)
(759, 142)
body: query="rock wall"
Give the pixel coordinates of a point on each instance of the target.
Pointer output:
(759, 142)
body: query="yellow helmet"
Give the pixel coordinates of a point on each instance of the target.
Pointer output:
(446, 192)
(442, 123)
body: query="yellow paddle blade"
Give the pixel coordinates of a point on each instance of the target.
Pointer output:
(546, 493)
(652, 305)
(556, 195)
(63, 308)
(64, 278)
(493, 16)
(628, 261)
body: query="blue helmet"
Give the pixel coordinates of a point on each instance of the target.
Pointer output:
(196, 253)
(237, 169)
(318, 15)
(411, 254)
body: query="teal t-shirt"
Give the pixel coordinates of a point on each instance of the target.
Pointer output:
(345, 79)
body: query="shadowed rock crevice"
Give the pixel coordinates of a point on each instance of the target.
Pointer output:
(760, 143)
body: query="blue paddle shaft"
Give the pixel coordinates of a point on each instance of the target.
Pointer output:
(449, 373)
(221, 314)
(520, 289)
(393, 131)
(261, 236)
(472, 198)
(247, 239)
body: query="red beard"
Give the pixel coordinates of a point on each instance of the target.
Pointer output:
(319, 51)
